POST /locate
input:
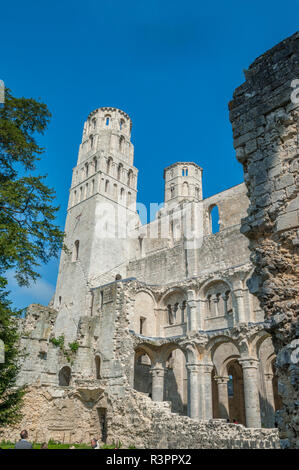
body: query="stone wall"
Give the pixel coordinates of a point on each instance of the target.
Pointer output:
(62, 415)
(264, 114)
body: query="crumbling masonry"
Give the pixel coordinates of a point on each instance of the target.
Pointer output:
(153, 337)
(265, 116)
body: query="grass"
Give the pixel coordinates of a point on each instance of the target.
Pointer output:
(58, 445)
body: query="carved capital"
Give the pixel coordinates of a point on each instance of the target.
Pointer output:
(249, 363)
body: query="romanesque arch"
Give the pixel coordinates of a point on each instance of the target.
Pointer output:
(142, 374)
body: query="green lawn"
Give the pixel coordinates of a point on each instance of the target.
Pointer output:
(57, 445)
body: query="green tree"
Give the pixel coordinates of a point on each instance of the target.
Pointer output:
(28, 235)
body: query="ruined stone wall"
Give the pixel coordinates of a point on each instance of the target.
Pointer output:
(264, 114)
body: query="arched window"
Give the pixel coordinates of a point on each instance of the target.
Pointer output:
(119, 171)
(130, 176)
(121, 124)
(197, 192)
(95, 164)
(64, 376)
(122, 194)
(185, 172)
(109, 165)
(107, 120)
(172, 192)
(129, 199)
(107, 186)
(98, 367)
(121, 143)
(86, 170)
(115, 190)
(214, 219)
(91, 141)
(76, 250)
(94, 122)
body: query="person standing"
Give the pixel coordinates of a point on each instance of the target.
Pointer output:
(23, 443)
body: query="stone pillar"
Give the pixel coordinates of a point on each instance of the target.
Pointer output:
(208, 400)
(223, 396)
(192, 320)
(251, 392)
(239, 296)
(202, 313)
(193, 390)
(157, 383)
(270, 399)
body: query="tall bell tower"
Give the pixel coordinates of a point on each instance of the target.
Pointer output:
(101, 210)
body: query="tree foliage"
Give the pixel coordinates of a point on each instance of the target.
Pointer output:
(28, 235)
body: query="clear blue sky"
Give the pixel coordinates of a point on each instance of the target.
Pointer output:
(171, 65)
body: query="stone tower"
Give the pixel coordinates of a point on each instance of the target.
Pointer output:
(101, 208)
(183, 182)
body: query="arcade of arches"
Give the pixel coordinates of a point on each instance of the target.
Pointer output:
(220, 381)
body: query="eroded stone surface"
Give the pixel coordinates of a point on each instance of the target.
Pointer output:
(264, 115)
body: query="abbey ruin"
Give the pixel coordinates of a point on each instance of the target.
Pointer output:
(159, 335)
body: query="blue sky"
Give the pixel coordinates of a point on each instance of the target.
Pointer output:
(171, 65)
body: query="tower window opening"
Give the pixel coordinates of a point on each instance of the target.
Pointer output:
(122, 194)
(130, 175)
(172, 191)
(107, 121)
(109, 165)
(121, 124)
(121, 143)
(95, 163)
(119, 171)
(107, 186)
(76, 250)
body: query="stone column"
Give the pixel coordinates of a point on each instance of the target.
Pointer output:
(223, 396)
(202, 313)
(192, 320)
(239, 296)
(208, 400)
(193, 390)
(270, 399)
(157, 383)
(251, 393)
